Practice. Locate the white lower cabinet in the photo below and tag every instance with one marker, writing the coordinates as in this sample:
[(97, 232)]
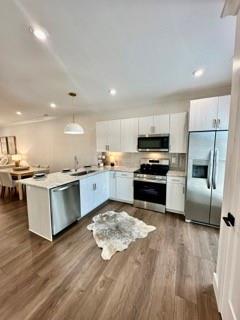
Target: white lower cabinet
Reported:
[(112, 185), (124, 188), (121, 186), (175, 194), (94, 190)]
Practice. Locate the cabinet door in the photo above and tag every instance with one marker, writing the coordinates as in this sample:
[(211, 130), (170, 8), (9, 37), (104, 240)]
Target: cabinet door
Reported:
[(223, 112), (146, 125), (124, 188), (112, 185), (203, 114), (101, 188), (114, 135), (129, 135), (161, 124), (175, 197), (178, 133), (86, 196), (102, 136)]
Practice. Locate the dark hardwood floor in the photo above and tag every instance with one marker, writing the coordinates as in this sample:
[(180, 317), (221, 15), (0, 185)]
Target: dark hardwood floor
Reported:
[(167, 275)]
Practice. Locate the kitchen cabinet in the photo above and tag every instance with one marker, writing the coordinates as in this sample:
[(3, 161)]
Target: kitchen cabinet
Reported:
[(114, 135), (209, 114), (108, 135), (178, 133), (162, 124), (112, 185), (121, 186), (146, 126), (158, 124), (101, 193), (175, 194), (223, 112), (94, 190), (129, 135), (124, 186), (102, 136)]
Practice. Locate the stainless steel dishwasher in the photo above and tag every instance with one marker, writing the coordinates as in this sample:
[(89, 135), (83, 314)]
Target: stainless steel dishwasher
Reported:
[(65, 206)]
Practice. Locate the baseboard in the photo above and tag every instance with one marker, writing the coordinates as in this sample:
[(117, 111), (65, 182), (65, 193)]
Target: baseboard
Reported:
[(40, 235), (216, 289), (175, 211)]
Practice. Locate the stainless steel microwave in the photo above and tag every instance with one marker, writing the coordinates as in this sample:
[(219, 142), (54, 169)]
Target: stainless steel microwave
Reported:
[(153, 143)]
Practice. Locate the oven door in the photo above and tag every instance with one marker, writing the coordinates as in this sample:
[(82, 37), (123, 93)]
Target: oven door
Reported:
[(154, 143), (150, 195)]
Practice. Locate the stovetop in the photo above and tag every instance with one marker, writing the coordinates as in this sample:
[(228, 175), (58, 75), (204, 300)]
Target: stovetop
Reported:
[(154, 167)]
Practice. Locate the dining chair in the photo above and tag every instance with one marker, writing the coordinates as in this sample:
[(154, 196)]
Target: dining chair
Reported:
[(7, 182)]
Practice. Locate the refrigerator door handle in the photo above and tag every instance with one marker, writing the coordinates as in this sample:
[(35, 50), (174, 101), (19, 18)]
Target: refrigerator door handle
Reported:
[(210, 170), (215, 169)]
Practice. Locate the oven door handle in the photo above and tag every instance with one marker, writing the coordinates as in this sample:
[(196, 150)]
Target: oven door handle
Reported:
[(148, 180)]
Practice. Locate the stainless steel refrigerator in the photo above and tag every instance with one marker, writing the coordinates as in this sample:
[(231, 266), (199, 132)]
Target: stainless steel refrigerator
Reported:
[(205, 176)]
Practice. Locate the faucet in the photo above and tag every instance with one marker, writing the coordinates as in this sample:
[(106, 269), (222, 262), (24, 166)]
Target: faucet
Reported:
[(76, 163)]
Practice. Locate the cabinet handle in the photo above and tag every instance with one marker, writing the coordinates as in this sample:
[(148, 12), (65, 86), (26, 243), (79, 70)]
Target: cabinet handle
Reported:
[(183, 190), (218, 123), (214, 123)]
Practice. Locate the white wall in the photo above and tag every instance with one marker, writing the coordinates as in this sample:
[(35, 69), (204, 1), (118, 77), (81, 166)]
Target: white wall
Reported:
[(45, 143)]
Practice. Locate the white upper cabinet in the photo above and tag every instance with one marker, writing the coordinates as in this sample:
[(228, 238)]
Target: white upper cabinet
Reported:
[(203, 114), (146, 125), (223, 112), (102, 136), (129, 135), (108, 135), (178, 132), (209, 114), (162, 124), (114, 135), (154, 125)]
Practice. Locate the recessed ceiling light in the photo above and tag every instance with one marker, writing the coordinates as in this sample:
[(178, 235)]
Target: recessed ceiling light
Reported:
[(112, 92), (19, 113), (52, 105), (39, 33), (198, 73)]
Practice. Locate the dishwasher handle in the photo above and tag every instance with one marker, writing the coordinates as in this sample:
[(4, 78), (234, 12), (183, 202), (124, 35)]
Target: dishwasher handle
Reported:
[(65, 187)]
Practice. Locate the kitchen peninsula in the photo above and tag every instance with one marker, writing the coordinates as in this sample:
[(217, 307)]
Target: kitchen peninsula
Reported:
[(78, 193), (59, 199)]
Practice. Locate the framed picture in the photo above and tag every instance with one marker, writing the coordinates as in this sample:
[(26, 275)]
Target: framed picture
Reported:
[(11, 144), (4, 146)]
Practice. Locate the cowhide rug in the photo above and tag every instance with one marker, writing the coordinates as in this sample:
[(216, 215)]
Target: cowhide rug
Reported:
[(114, 231)]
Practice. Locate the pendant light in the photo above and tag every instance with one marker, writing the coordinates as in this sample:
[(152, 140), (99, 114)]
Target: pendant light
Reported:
[(73, 127)]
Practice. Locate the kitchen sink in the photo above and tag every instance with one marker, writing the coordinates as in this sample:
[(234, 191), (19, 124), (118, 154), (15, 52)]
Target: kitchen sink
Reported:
[(82, 173)]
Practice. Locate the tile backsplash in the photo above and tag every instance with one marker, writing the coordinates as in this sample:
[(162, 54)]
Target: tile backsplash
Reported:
[(177, 160)]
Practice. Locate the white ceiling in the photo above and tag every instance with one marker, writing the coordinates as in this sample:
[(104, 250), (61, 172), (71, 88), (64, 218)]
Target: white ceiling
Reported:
[(146, 49)]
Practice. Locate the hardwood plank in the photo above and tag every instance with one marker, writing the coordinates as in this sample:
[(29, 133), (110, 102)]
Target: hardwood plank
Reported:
[(166, 276)]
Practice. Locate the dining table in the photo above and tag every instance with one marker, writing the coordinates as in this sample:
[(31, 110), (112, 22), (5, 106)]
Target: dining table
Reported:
[(18, 174)]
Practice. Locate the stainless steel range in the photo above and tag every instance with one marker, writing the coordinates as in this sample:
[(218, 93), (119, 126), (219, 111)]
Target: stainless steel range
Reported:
[(150, 183)]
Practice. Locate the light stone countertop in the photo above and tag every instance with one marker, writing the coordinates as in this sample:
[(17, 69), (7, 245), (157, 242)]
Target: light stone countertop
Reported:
[(176, 173), (57, 179)]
